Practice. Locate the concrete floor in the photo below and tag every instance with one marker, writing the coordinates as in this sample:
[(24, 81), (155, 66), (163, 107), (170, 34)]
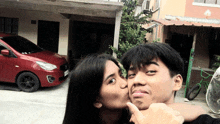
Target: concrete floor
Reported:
[(199, 100), (45, 106)]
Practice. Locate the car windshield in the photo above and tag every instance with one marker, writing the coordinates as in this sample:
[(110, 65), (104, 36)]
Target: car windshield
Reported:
[(22, 45)]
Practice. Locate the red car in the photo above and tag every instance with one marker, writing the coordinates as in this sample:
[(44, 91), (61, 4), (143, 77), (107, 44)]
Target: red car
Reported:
[(28, 65)]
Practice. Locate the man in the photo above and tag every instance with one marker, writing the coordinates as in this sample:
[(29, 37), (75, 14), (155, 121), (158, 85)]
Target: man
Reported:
[(154, 75)]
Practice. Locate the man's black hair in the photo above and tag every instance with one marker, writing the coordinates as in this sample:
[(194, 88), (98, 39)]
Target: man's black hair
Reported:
[(143, 54)]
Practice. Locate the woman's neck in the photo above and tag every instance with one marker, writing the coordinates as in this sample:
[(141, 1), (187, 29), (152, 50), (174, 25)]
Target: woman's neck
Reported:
[(110, 116)]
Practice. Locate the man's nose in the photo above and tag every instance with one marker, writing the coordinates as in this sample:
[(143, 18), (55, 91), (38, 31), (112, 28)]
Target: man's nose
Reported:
[(139, 79)]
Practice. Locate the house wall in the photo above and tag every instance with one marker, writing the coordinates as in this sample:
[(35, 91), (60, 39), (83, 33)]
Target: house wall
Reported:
[(168, 7), (197, 10), (30, 31), (172, 7)]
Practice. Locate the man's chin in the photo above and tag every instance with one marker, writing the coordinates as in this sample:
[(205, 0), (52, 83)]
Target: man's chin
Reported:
[(141, 105)]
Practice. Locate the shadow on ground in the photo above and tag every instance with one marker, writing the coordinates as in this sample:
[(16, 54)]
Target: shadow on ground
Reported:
[(9, 86), (14, 87)]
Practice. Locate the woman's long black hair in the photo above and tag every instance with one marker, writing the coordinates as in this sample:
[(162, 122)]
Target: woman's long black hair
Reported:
[(84, 86)]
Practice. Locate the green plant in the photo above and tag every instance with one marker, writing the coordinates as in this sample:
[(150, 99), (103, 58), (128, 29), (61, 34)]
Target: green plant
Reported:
[(131, 31), (216, 64)]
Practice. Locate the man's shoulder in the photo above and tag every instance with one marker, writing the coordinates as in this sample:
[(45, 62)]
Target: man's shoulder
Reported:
[(205, 119)]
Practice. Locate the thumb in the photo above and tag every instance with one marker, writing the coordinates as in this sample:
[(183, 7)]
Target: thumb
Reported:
[(135, 111)]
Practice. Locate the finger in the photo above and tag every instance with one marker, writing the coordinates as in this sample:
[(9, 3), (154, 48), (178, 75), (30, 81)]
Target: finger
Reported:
[(181, 119), (135, 111), (177, 113), (133, 119)]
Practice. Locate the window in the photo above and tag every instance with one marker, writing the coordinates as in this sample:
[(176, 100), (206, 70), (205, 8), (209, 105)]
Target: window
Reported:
[(9, 25), (208, 1), (148, 4), (157, 4), (1, 48)]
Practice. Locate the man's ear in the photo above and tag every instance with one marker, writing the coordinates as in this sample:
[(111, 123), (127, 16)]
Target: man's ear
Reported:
[(178, 80)]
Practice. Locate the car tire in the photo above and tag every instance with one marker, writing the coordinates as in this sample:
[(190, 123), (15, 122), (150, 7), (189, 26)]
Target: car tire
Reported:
[(28, 82)]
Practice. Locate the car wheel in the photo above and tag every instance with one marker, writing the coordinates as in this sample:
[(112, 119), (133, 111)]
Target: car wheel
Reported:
[(28, 82)]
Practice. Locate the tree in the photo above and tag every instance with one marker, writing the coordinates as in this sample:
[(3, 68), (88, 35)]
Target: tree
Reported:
[(131, 32)]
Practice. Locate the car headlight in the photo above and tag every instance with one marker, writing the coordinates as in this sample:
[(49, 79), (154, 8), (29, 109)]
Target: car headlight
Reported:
[(46, 66)]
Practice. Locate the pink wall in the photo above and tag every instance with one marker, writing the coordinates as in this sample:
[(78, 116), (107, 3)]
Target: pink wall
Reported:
[(198, 11)]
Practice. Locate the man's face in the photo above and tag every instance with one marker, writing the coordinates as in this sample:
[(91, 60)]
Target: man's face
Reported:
[(152, 83)]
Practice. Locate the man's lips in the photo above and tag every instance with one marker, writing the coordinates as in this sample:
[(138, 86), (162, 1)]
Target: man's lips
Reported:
[(139, 93)]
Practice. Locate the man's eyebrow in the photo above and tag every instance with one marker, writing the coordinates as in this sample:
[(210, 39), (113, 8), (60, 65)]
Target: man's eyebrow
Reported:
[(111, 75), (152, 62), (131, 68), (147, 63)]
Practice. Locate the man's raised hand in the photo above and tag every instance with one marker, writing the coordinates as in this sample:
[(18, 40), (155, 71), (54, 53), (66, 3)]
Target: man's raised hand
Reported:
[(157, 113)]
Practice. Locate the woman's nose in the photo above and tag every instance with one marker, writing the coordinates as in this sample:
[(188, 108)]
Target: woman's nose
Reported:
[(123, 83)]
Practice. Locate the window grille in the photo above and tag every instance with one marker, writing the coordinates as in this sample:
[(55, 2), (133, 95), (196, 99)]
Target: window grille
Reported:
[(9, 25), (208, 1)]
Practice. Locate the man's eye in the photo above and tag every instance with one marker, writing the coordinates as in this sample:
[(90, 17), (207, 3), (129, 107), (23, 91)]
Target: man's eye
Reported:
[(131, 75), (112, 81), (151, 72)]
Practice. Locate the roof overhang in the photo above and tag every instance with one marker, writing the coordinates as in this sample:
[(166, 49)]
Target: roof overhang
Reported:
[(188, 21), (78, 7)]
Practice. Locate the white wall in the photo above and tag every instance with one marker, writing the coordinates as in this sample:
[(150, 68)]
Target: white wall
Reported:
[(29, 31)]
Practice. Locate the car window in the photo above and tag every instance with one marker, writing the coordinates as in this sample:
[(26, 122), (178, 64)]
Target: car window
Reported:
[(22, 45), (1, 48)]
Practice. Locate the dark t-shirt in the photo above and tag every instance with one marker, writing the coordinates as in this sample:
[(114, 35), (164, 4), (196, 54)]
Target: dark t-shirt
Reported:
[(202, 119), (205, 119)]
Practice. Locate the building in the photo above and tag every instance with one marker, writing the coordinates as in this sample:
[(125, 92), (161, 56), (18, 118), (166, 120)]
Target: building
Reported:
[(184, 22), (72, 28)]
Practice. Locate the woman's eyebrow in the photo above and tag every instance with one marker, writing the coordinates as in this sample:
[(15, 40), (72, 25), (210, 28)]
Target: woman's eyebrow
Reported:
[(111, 75)]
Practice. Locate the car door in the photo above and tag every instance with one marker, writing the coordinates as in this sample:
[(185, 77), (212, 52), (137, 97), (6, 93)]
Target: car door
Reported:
[(7, 66)]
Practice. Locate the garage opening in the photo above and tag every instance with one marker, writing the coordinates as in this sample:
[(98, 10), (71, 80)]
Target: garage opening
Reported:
[(87, 38)]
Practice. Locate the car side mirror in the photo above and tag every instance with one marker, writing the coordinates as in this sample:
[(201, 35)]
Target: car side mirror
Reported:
[(5, 52)]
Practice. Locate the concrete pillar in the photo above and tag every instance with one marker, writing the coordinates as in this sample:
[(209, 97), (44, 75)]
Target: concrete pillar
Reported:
[(63, 37), (117, 29)]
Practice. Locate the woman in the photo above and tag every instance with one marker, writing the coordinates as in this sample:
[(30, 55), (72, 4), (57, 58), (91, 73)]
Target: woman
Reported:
[(97, 92)]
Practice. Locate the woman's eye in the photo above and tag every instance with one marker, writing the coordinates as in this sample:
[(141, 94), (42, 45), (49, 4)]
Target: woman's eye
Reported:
[(112, 81)]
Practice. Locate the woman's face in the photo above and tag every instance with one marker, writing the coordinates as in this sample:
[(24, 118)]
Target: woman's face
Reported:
[(114, 90)]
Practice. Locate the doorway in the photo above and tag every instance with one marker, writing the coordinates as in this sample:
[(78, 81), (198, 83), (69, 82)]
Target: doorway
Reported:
[(182, 44), (48, 35)]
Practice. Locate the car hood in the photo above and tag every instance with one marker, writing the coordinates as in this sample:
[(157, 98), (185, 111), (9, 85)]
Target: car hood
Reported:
[(48, 56)]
